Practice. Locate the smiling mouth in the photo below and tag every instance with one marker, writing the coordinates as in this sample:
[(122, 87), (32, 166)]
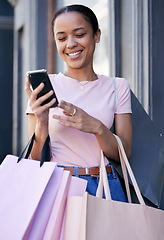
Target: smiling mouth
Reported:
[(74, 54)]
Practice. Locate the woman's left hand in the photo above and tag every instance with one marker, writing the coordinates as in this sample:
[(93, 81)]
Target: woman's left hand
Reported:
[(77, 118)]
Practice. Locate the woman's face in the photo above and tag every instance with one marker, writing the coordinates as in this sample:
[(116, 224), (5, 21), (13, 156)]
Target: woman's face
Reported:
[(75, 40)]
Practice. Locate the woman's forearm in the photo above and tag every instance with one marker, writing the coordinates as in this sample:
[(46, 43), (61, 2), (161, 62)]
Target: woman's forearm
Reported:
[(41, 133), (108, 143)]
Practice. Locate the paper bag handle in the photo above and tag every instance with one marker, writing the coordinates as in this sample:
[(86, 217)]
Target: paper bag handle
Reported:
[(124, 160), (45, 154), (103, 181)]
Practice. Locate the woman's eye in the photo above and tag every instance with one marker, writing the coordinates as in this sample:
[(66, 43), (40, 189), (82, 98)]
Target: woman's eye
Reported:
[(80, 35), (62, 39)]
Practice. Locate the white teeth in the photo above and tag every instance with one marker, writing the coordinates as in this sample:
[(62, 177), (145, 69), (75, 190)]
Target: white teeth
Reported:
[(74, 54)]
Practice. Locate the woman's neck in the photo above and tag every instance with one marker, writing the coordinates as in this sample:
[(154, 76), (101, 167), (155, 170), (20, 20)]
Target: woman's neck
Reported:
[(81, 75)]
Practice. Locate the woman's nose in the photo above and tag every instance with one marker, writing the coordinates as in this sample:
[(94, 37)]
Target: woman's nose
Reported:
[(71, 42)]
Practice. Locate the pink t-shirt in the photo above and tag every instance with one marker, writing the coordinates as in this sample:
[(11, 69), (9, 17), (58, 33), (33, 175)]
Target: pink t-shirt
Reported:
[(71, 147)]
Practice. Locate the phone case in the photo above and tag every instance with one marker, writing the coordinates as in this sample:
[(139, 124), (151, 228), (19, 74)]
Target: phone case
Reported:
[(36, 78)]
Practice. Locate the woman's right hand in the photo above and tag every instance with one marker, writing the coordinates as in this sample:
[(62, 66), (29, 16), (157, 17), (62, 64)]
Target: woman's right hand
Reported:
[(40, 112)]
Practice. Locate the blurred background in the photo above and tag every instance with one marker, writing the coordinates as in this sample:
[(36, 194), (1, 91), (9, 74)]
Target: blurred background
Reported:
[(132, 46)]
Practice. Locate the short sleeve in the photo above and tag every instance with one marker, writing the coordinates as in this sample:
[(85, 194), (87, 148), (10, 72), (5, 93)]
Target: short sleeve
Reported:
[(124, 96), (28, 109)]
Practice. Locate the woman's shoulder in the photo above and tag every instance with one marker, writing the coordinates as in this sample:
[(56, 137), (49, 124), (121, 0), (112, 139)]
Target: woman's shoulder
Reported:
[(122, 83), (104, 77), (119, 81), (54, 76)]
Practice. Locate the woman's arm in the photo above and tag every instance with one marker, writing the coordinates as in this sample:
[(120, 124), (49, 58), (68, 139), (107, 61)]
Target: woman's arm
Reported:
[(39, 120), (41, 133), (106, 140)]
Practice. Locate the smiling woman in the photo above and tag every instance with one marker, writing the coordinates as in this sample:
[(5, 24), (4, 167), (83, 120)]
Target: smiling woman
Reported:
[(79, 126), (75, 40), (101, 61)]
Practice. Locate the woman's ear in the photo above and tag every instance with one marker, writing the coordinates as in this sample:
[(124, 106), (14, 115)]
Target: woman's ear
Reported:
[(97, 35)]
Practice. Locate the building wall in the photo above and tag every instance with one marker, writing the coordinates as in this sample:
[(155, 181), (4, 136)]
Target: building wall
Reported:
[(30, 36), (6, 77), (132, 46), (157, 54)]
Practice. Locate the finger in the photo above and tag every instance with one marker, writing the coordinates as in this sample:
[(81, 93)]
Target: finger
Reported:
[(40, 109), (66, 113), (68, 108), (65, 104), (64, 118), (43, 98), (68, 124), (36, 91)]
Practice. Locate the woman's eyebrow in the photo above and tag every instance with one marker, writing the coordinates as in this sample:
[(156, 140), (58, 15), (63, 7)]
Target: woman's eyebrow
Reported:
[(74, 30), (79, 28), (60, 33)]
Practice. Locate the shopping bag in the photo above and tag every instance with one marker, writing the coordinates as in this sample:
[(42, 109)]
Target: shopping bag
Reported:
[(21, 187), (43, 212), (77, 188), (34, 196), (24, 187), (147, 158), (69, 185), (107, 219)]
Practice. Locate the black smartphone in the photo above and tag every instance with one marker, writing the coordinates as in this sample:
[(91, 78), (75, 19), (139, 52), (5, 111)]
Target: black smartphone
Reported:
[(41, 76)]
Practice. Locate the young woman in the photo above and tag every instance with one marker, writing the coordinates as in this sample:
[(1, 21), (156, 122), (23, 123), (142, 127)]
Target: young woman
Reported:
[(79, 126)]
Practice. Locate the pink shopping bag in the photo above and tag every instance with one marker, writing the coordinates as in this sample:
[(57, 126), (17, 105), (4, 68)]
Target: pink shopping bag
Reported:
[(69, 185), (21, 187), (36, 231), (34, 195), (77, 188)]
